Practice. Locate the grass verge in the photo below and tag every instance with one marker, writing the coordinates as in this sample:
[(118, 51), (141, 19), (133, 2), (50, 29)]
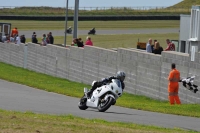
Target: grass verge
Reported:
[(60, 25), (66, 87), (29, 122)]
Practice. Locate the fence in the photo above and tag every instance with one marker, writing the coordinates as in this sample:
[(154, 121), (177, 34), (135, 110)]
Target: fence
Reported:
[(146, 73), (60, 11)]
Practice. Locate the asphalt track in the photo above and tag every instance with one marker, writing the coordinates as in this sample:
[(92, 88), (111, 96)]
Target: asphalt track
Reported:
[(22, 98), (39, 33)]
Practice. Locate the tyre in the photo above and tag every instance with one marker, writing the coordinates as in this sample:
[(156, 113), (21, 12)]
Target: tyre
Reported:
[(103, 106), (82, 104)]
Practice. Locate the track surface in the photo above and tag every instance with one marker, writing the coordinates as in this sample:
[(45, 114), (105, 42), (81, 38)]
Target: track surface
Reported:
[(39, 33), (22, 98)]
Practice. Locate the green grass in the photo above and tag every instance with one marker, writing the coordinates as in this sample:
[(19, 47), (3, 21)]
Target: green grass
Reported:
[(60, 25), (50, 11), (66, 87), (28, 122), (186, 4), (115, 41)]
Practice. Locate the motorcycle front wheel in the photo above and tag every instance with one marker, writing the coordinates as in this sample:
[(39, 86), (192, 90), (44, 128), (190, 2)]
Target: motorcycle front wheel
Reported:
[(82, 104), (103, 106)]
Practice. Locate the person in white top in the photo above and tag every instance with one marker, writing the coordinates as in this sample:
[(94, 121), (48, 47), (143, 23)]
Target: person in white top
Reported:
[(148, 46), (18, 41)]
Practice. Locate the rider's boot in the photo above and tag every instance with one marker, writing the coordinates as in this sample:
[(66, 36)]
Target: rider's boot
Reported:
[(88, 95)]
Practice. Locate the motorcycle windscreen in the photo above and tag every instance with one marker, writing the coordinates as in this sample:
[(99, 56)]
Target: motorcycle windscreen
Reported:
[(118, 83)]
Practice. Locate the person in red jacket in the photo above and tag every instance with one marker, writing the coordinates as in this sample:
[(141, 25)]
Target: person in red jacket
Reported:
[(89, 41), (170, 46), (173, 86)]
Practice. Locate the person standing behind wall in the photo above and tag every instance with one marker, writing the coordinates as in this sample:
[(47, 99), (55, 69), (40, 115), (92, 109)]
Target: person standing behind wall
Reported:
[(51, 38), (88, 41), (173, 85), (18, 39), (34, 39), (157, 48), (44, 43), (148, 46), (170, 46), (14, 32)]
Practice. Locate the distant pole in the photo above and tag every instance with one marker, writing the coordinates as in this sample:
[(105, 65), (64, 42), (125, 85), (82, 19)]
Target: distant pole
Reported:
[(66, 19), (76, 8)]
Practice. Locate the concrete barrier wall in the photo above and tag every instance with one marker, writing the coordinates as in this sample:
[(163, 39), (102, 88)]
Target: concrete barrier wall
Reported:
[(142, 70), (12, 54), (75, 70), (146, 73)]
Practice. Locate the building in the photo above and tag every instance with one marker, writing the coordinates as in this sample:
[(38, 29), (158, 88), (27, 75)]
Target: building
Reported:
[(189, 39)]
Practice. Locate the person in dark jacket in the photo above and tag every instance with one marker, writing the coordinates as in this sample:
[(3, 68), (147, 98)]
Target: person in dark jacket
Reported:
[(51, 38), (79, 42), (33, 36), (157, 48), (23, 39), (34, 39)]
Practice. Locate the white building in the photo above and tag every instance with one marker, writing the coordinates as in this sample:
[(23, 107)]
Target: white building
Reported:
[(189, 37)]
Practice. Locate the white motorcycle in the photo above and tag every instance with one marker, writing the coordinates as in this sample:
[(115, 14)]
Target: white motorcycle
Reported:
[(103, 97)]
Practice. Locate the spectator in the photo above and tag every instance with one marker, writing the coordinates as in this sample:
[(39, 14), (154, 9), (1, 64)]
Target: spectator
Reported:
[(51, 38), (4, 38), (12, 39), (88, 41), (74, 42), (33, 35), (15, 36), (34, 39), (8, 38), (157, 48), (44, 43), (14, 32), (148, 46), (80, 42), (17, 41), (170, 46), (47, 39), (173, 85), (152, 46), (23, 39)]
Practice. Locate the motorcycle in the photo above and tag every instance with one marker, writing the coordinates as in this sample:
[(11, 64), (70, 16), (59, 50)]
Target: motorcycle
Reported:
[(103, 97), (69, 30), (93, 31)]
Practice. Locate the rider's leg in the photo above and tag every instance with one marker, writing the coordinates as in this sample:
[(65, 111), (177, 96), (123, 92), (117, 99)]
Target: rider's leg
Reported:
[(96, 84)]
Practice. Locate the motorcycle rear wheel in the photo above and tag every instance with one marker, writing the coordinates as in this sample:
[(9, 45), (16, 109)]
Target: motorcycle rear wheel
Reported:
[(103, 106), (82, 104)]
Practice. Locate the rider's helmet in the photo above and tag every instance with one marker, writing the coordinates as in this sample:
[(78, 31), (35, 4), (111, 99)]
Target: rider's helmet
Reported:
[(121, 75)]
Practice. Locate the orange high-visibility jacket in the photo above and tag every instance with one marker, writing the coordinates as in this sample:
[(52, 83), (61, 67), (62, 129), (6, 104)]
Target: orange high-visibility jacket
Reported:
[(174, 77), (14, 32)]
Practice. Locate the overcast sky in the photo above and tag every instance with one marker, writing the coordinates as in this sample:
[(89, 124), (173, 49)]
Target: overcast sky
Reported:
[(89, 3)]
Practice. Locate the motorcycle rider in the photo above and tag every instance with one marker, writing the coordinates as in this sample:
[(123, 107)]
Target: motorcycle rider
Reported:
[(120, 76), (69, 30), (93, 30)]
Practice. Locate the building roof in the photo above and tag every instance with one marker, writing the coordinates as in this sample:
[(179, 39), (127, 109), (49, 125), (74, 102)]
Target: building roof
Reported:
[(1, 23)]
